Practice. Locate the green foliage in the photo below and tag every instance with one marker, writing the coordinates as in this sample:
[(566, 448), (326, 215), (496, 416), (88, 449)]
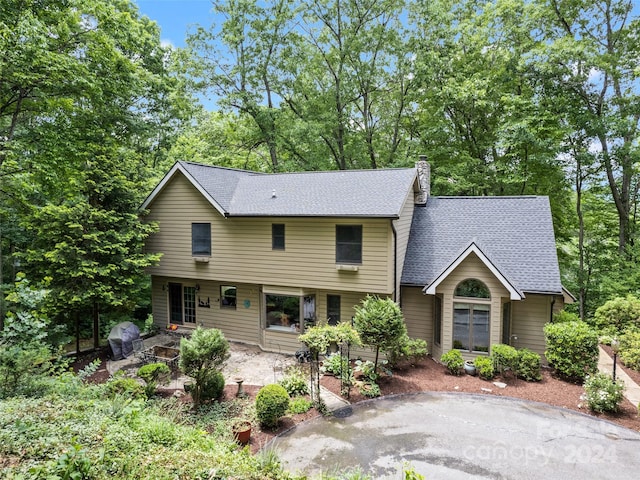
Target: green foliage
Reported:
[(484, 367), (453, 361), (528, 365), (26, 323), (212, 387), (563, 316), (125, 387), (368, 370), (369, 389), (572, 348), (602, 393), (123, 438), (299, 405), (406, 349), (295, 382), (272, 402), (338, 366), (200, 357), (152, 374), (505, 357), (380, 324), (21, 368), (73, 464), (630, 350), (319, 337), (618, 315)]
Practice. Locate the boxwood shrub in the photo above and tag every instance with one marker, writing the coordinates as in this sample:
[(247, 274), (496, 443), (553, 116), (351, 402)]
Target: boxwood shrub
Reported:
[(272, 402), (572, 349), (505, 357), (630, 350)]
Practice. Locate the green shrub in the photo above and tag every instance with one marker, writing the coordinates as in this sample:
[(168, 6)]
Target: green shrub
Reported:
[(299, 405), (484, 367), (528, 365), (572, 348), (406, 349), (602, 393), (505, 357), (617, 315), (152, 374), (630, 350), (212, 387), (124, 386), (453, 361), (563, 317), (200, 356), (272, 402), (295, 382)]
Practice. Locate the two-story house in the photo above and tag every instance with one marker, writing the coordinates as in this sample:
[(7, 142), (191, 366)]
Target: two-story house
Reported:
[(263, 256)]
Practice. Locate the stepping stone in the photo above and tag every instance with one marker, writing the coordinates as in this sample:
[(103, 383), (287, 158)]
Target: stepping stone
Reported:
[(500, 384)]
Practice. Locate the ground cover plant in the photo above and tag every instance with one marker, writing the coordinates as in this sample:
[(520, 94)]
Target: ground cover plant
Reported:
[(78, 430)]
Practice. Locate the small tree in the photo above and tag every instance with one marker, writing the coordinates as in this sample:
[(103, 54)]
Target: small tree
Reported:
[(380, 324), (202, 356), (572, 348)]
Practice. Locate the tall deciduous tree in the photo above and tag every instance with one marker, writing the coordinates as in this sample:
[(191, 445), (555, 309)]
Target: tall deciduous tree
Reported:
[(87, 104), (592, 49)]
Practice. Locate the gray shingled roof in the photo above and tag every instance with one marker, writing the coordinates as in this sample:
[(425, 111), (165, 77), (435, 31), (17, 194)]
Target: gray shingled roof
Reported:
[(515, 233), (350, 193)]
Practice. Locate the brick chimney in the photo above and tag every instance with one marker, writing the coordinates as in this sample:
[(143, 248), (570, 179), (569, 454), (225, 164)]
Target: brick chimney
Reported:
[(424, 178)]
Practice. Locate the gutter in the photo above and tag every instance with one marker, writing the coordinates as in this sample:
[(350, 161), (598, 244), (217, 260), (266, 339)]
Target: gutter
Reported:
[(395, 261)]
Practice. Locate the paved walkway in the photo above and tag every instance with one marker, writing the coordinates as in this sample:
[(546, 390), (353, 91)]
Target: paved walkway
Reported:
[(632, 390)]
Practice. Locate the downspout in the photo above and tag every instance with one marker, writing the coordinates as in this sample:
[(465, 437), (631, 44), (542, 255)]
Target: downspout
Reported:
[(395, 262), (553, 302)]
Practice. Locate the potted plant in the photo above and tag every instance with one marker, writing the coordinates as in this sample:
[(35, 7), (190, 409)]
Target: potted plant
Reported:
[(242, 431), (469, 367)]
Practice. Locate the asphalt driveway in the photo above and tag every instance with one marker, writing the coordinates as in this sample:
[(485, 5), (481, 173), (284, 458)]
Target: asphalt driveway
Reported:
[(462, 436)]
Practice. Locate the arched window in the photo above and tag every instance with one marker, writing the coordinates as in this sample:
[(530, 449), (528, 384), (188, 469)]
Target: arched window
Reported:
[(471, 317), (472, 288)]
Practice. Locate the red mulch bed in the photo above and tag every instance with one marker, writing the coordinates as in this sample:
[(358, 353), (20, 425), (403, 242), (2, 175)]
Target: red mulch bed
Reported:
[(429, 375)]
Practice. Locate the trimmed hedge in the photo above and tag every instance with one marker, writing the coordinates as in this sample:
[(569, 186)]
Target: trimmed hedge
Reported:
[(272, 402), (484, 367), (572, 349), (505, 357)]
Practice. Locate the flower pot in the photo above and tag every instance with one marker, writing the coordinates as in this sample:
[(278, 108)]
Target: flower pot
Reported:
[(469, 367), (242, 432)]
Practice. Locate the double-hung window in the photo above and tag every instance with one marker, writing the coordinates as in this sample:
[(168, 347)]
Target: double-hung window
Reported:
[(201, 239), (277, 236), (349, 244)]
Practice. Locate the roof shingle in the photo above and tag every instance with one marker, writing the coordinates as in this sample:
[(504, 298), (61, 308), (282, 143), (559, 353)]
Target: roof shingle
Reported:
[(515, 233)]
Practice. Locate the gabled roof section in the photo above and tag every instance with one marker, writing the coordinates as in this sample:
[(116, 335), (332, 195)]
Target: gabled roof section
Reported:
[(217, 188), (473, 248), (513, 234), (348, 193)]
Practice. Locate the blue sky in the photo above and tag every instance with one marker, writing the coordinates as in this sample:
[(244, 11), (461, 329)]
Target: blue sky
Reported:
[(176, 16)]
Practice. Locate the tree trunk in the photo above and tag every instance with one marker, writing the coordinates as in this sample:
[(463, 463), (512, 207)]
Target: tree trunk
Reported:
[(96, 325)]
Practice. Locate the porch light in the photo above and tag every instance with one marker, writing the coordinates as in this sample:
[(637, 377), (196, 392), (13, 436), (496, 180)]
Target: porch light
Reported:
[(615, 348)]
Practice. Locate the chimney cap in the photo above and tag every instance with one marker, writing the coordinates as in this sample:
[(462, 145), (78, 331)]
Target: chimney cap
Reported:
[(422, 158)]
